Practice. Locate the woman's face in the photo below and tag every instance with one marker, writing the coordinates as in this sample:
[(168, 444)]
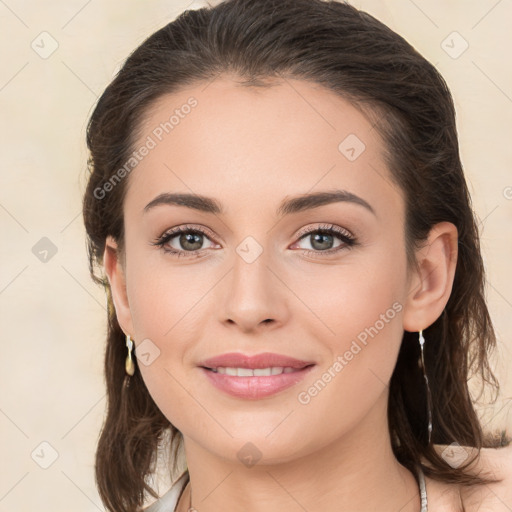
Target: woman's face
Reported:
[(254, 282)]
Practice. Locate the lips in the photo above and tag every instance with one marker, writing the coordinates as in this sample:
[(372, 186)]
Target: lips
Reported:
[(258, 361), (254, 377)]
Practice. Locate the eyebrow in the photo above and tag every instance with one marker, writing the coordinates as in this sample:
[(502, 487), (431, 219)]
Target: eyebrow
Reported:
[(287, 207)]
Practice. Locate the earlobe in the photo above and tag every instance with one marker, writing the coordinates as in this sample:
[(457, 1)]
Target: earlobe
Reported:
[(432, 283), (116, 276)]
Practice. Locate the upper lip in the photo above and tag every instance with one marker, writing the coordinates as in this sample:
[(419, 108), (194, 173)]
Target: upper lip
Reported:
[(263, 360)]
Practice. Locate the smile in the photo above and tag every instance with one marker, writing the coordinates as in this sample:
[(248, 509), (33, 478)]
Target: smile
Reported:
[(254, 384), (256, 372)]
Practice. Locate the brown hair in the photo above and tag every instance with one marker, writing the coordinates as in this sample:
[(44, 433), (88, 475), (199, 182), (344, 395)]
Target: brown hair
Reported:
[(353, 54)]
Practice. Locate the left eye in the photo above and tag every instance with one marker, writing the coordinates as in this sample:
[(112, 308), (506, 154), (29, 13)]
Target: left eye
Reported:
[(323, 236)]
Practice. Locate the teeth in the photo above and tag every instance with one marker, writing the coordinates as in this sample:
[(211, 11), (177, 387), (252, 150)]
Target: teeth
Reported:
[(257, 372)]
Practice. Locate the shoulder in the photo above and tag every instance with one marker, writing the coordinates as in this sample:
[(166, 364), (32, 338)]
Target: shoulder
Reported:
[(494, 497)]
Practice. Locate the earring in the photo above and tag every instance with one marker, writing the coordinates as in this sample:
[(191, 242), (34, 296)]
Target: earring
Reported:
[(429, 396), (129, 364)]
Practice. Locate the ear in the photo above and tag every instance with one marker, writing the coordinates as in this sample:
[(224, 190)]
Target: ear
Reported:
[(430, 285), (116, 276)]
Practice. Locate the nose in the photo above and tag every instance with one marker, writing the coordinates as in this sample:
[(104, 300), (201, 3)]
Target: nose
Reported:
[(254, 296)]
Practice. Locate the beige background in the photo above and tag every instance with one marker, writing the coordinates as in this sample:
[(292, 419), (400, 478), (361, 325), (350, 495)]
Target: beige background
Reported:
[(53, 316)]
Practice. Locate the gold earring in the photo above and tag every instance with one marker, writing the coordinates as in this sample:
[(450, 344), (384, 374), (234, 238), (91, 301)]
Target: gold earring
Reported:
[(129, 364)]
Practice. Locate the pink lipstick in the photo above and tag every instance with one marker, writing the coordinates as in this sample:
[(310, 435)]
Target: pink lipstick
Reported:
[(254, 377)]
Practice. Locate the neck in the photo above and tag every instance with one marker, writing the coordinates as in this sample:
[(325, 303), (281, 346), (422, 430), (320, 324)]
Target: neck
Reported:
[(357, 472)]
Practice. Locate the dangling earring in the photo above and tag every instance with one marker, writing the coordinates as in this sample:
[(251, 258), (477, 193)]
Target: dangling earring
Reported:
[(429, 396), (129, 364)]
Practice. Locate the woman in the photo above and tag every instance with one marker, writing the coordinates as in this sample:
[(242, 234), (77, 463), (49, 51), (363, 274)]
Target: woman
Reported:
[(278, 213)]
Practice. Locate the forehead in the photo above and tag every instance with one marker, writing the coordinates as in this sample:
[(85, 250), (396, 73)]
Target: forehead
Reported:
[(254, 145)]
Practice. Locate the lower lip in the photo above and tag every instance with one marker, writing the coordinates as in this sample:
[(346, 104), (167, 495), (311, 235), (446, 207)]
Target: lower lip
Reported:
[(254, 388)]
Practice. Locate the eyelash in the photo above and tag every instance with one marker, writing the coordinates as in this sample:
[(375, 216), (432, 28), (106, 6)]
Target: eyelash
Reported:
[(325, 229)]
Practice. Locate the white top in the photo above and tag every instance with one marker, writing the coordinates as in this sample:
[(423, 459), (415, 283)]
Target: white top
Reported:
[(168, 502)]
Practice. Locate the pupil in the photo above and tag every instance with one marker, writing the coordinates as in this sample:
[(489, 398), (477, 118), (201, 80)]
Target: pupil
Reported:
[(189, 238), (317, 239)]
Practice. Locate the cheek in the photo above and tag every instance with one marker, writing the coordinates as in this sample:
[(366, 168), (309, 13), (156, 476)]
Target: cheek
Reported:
[(169, 319), (355, 312), (345, 301), (164, 297)]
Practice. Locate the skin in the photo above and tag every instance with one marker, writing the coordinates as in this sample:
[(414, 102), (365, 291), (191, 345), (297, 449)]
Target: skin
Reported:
[(249, 149), (496, 497)]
